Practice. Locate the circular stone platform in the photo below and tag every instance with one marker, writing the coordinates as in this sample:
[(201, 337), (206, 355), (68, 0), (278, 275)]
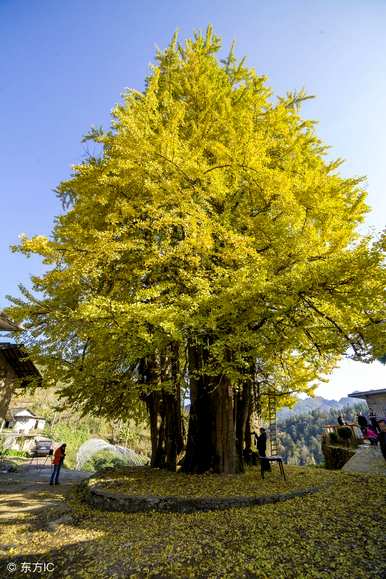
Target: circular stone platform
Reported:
[(110, 501)]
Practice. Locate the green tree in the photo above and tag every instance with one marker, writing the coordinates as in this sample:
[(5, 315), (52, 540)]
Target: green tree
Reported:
[(305, 431), (211, 248)]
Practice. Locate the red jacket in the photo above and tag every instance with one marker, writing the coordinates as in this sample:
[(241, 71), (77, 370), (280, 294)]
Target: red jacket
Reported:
[(58, 456), (370, 433)]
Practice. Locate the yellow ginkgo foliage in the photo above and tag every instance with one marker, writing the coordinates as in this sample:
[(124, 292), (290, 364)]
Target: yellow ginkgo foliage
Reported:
[(210, 249)]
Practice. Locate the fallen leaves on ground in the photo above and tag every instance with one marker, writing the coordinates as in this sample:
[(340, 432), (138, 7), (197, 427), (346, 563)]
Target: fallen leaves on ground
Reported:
[(337, 532), (154, 482)]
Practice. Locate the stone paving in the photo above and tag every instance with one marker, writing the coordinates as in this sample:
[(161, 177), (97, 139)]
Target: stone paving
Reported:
[(366, 459)]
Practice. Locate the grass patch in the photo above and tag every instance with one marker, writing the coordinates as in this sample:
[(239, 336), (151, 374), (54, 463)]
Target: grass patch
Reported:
[(11, 452)]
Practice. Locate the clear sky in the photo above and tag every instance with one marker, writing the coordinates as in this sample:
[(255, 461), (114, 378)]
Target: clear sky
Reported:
[(63, 65)]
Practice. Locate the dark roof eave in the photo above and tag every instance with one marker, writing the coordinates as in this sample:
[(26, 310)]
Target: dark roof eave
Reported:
[(367, 393), (7, 325), (23, 366)]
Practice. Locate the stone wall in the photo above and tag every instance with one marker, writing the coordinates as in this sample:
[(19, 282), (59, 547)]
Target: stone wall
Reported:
[(105, 500)]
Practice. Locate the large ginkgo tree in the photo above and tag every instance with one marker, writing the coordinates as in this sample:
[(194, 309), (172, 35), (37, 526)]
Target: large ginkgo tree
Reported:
[(210, 251)]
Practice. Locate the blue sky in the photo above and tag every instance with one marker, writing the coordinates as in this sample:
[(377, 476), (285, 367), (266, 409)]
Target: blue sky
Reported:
[(63, 65)]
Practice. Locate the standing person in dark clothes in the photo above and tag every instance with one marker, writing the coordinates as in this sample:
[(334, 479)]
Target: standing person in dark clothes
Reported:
[(341, 422), (362, 421), (57, 461), (374, 423), (261, 445), (382, 437)]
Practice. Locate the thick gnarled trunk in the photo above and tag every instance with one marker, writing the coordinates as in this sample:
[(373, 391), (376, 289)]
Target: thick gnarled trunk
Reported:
[(211, 444), (218, 419), (164, 409), (198, 448), (165, 429), (243, 417), (226, 459)]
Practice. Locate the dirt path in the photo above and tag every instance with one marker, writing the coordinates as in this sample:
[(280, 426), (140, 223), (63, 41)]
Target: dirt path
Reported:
[(28, 491)]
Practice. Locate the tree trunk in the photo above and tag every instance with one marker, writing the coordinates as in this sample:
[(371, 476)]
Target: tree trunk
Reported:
[(153, 403), (172, 418), (226, 458), (243, 408), (211, 444), (247, 432), (198, 448), (173, 415), (164, 408)]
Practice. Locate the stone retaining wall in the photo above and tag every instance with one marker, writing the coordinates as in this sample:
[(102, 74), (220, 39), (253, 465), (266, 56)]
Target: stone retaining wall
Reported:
[(108, 501)]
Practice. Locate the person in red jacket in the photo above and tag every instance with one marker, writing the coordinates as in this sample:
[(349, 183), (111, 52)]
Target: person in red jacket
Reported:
[(371, 436), (57, 461)]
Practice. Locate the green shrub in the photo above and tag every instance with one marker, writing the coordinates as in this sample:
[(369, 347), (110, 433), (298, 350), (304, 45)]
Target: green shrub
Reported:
[(333, 438), (104, 459), (345, 433), (336, 456), (11, 452)]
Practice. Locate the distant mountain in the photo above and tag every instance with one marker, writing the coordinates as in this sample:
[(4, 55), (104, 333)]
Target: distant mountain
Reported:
[(318, 403)]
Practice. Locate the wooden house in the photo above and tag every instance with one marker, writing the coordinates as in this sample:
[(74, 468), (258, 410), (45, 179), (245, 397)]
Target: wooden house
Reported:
[(376, 401)]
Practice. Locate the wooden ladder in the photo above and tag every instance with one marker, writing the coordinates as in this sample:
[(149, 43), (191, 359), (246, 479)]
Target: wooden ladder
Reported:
[(272, 423)]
